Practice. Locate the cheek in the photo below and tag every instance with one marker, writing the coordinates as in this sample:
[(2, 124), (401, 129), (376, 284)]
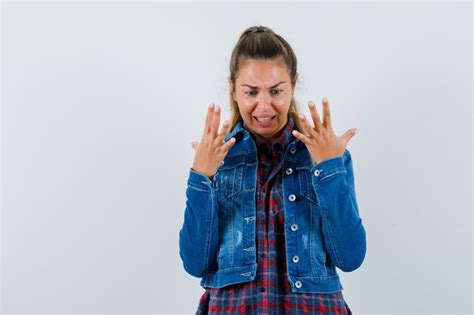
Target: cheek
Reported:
[(245, 107), (283, 106)]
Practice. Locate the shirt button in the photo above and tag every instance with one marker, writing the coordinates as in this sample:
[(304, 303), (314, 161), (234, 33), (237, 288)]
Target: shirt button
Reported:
[(293, 150), (317, 172), (262, 289), (294, 227), (296, 259), (292, 197), (289, 171), (298, 284)]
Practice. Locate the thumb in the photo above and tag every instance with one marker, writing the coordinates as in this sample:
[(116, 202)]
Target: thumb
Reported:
[(195, 145), (349, 134)]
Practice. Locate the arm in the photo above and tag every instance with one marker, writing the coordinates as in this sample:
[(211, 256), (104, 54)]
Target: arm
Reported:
[(198, 237), (344, 234)]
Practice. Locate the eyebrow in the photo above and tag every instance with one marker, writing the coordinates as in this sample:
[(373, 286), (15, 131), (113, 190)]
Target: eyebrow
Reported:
[(256, 87)]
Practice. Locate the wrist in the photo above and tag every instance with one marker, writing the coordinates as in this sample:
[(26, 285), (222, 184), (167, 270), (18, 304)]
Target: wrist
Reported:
[(203, 173)]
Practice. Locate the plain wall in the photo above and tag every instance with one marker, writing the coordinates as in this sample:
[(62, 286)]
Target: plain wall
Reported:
[(101, 100)]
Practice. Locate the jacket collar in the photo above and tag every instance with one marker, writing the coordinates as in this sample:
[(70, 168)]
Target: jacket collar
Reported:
[(239, 129), (245, 144), (236, 131)]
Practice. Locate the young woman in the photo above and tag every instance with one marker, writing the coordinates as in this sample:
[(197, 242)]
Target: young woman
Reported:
[(271, 207)]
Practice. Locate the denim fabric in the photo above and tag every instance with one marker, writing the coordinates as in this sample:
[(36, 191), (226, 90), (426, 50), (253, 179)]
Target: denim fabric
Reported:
[(217, 241)]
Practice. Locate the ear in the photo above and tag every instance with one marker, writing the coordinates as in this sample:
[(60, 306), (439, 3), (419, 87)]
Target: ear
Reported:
[(296, 80), (231, 86)]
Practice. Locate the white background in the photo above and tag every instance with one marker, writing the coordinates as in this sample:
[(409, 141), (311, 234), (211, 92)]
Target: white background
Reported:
[(101, 100)]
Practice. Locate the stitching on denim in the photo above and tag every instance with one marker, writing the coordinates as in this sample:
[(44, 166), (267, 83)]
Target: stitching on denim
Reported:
[(196, 187), (235, 267), (310, 235), (305, 181), (329, 228), (231, 188), (209, 233), (331, 239), (232, 231), (317, 278), (333, 173)]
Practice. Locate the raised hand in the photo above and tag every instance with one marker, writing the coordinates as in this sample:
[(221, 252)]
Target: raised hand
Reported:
[(321, 141), (212, 149)]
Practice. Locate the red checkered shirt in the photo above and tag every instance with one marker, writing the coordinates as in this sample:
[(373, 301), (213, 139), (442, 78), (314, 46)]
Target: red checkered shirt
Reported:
[(270, 292)]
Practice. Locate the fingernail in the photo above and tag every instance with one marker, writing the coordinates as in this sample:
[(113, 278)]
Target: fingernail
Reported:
[(301, 116), (311, 104), (211, 105), (226, 123), (355, 131), (216, 108), (325, 100)]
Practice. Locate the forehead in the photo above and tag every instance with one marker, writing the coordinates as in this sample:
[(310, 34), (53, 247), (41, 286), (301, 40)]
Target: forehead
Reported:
[(262, 73)]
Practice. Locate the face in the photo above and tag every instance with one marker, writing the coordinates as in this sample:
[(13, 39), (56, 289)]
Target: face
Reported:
[(263, 92)]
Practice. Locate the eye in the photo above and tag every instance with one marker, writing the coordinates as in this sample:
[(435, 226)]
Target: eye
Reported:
[(250, 93)]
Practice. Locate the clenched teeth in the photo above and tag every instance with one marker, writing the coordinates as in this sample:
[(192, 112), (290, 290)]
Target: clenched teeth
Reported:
[(263, 119)]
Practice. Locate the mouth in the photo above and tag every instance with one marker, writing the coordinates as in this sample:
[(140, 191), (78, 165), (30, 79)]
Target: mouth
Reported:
[(264, 119), (264, 122)]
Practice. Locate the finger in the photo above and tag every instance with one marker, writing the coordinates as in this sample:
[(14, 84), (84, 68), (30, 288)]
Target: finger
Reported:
[(215, 121), (210, 113), (347, 136), (308, 130), (326, 114), (229, 144), (315, 116), (195, 145), (300, 136), (224, 131)]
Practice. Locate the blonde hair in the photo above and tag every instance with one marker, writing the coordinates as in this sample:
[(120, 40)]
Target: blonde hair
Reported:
[(260, 42)]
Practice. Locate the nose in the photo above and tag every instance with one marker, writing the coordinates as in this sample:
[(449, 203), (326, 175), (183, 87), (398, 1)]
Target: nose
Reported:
[(263, 101)]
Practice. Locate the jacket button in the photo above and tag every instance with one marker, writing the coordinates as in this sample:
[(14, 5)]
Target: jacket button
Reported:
[(298, 284), (292, 197), (289, 171), (317, 172), (293, 150), (296, 259), (294, 227)]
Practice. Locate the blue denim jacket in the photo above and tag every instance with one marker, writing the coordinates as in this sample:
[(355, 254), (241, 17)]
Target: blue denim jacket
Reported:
[(217, 241)]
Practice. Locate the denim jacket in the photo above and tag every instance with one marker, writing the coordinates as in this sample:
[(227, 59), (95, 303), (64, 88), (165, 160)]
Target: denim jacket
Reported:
[(217, 241)]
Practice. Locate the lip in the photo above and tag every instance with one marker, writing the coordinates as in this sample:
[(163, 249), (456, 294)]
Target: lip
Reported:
[(264, 116), (266, 124)]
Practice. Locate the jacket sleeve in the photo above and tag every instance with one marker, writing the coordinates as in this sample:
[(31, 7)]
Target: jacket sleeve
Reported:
[(344, 233), (198, 236)]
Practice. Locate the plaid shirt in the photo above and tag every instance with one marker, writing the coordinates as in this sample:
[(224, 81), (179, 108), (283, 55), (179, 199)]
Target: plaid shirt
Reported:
[(270, 292)]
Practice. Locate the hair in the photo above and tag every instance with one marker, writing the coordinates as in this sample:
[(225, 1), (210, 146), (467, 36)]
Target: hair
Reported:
[(260, 42)]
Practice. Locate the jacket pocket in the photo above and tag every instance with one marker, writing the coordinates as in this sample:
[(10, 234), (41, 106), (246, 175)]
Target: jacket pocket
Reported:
[(230, 177), (306, 185)]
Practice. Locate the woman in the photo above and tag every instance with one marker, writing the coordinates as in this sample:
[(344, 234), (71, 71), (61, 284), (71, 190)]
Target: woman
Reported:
[(271, 208)]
